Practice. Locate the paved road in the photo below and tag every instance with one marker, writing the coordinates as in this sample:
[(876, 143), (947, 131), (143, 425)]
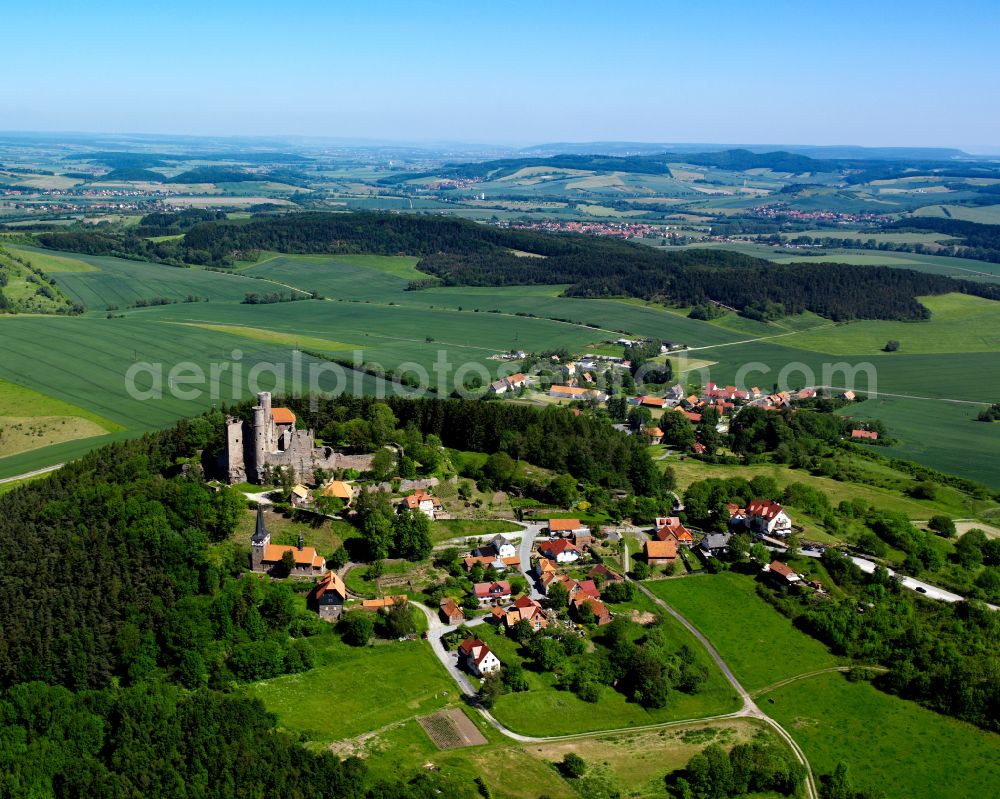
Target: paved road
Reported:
[(927, 589), (29, 475), (527, 541)]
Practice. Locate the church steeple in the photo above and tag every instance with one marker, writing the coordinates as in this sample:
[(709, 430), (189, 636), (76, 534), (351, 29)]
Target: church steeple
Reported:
[(260, 536)]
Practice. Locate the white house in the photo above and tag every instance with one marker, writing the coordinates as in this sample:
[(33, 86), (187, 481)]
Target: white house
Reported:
[(764, 516), (423, 502), (503, 547), (560, 550), (478, 657)]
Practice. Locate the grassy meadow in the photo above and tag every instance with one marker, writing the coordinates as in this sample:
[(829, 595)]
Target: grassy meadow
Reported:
[(760, 645), (887, 742)]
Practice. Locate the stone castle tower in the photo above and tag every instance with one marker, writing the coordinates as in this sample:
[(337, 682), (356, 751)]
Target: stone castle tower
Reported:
[(271, 440)]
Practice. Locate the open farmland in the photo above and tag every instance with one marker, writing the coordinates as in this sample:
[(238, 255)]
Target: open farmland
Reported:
[(120, 282)]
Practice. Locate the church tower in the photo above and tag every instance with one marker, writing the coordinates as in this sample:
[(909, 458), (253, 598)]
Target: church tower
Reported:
[(261, 538)]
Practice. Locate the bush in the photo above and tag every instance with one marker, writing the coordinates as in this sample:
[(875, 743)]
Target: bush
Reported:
[(573, 765), (357, 627), (942, 525)]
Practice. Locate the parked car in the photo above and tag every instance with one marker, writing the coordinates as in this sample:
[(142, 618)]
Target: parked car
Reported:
[(920, 589)]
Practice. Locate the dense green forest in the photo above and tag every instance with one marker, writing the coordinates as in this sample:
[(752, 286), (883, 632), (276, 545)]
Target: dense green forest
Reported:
[(978, 241)]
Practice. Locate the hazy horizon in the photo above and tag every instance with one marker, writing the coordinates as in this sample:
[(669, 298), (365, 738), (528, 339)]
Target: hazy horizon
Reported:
[(518, 74)]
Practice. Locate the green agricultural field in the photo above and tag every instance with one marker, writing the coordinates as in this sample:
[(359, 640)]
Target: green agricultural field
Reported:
[(355, 277), (984, 214), (759, 644), (888, 743), (958, 323), (509, 769), (49, 262), (944, 435), (353, 690), (86, 361), (543, 710), (274, 337), (115, 281)]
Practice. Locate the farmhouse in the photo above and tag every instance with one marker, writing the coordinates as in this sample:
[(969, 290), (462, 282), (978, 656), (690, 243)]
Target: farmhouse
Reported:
[(477, 657), (543, 567), (660, 553), (502, 547), (601, 613), (384, 602), (575, 393), (567, 527), (674, 531), (497, 591), (505, 384), (651, 402), (715, 544), (451, 613), (328, 596), (560, 550), (421, 501), (767, 517), (269, 558), (526, 609), (337, 489), (653, 434), (781, 573), (605, 574), (272, 441), (864, 435)]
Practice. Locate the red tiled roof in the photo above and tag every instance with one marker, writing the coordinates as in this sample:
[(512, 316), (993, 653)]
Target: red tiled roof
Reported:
[(497, 588), (783, 569), (868, 434), (557, 547), (282, 416), (451, 609), (563, 525), (303, 557), (764, 508), (330, 582), (661, 549)]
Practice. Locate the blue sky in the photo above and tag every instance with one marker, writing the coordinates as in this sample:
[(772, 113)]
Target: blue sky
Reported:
[(875, 73)]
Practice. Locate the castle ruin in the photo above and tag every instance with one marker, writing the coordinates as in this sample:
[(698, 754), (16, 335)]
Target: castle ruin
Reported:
[(272, 441)]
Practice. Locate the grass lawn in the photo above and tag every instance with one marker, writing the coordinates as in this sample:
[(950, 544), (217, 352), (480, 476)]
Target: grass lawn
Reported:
[(543, 710), (511, 771), (759, 644), (326, 535), (353, 690), (638, 761), (889, 743), (461, 528)]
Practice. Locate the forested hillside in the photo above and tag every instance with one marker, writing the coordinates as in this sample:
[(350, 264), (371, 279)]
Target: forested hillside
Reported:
[(129, 622), (462, 253)]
